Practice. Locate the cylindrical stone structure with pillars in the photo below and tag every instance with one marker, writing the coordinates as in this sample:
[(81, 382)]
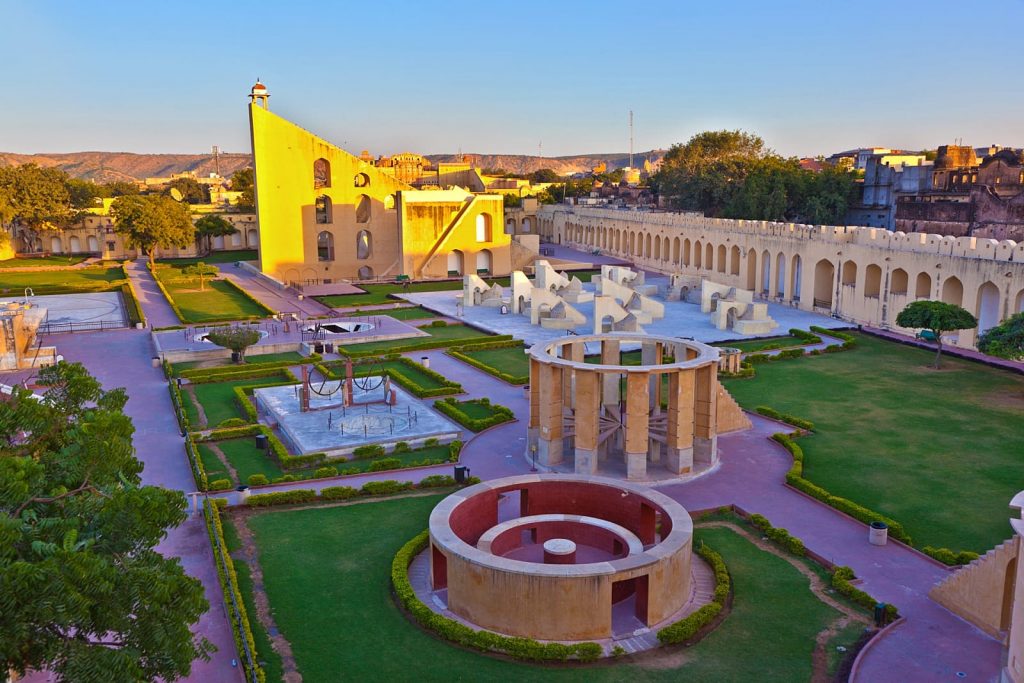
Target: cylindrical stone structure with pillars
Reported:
[(610, 415)]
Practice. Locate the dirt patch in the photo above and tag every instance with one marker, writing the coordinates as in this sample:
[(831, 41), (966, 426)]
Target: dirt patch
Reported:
[(215, 449), (190, 391), (250, 556), (1013, 399)]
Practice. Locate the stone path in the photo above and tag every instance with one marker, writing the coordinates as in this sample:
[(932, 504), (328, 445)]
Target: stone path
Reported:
[(272, 298), (158, 311)]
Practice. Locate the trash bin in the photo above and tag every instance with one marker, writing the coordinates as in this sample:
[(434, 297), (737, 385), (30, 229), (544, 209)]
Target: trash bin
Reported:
[(261, 442), (880, 614), (329, 347), (236, 357), (878, 533), (318, 348), (156, 361), (425, 361), (243, 494), (461, 474)]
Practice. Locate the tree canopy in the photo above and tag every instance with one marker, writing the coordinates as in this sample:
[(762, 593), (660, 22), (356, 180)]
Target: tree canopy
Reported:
[(242, 181), (937, 317), (211, 226), (236, 338), (35, 198), (192, 192), (202, 271), (83, 593), (544, 175), (1005, 340), (733, 174), (150, 221)]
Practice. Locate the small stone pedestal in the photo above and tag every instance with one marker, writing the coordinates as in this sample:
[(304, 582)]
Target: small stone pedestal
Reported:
[(559, 551)]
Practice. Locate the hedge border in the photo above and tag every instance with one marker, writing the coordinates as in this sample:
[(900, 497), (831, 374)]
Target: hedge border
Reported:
[(460, 353), (485, 641), (187, 321), (244, 373), (450, 407), (424, 345), (689, 626), (241, 629), (378, 487), (448, 386), (189, 373), (132, 307)]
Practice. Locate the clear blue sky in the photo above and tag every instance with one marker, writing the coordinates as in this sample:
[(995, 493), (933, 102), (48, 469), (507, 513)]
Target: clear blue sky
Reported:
[(809, 77)]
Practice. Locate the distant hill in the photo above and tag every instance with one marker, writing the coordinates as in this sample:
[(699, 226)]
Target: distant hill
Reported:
[(110, 166)]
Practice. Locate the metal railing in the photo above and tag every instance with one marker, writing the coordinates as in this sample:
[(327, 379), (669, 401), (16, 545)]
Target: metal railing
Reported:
[(83, 326)]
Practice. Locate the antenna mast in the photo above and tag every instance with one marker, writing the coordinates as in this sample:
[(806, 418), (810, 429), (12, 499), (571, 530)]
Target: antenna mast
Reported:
[(631, 138), (216, 159)]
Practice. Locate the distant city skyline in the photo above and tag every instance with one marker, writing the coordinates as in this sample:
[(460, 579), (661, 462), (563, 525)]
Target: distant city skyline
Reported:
[(810, 78)]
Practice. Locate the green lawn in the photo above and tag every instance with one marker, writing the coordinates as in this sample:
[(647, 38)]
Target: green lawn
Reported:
[(218, 398), (326, 573), (413, 372), (476, 410), (248, 460), (211, 463), (249, 360), (219, 300), (444, 336), (406, 313), (940, 451), (213, 257), (53, 260), (782, 342), (90, 279), (511, 360)]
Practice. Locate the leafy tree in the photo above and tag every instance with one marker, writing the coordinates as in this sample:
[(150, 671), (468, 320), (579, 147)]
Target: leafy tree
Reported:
[(191, 191), (150, 221), (544, 175), (242, 181), (211, 226), (236, 338), (512, 201), (1005, 340), (83, 193), (83, 592), (202, 271), (34, 199), (119, 188), (937, 317)]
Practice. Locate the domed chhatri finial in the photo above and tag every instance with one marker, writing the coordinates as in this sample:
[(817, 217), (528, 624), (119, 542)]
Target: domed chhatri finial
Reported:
[(259, 94)]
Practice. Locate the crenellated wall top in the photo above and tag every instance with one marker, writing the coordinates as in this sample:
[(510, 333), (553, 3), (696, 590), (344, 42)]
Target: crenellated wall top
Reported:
[(965, 247)]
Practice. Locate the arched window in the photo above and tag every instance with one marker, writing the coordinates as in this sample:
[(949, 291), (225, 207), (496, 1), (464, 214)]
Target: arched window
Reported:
[(362, 209), (321, 174), (389, 202), (899, 282), (873, 281), (483, 262), (364, 244), (366, 273), (361, 180), (324, 210), (325, 246), (483, 227)]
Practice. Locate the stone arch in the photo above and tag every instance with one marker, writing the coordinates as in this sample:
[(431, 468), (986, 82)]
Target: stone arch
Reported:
[(824, 277), (364, 245), (686, 251), (389, 203), (722, 256), (923, 286), (632, 243), (698, 254), (675, 250), (325, 246), (324, 210), (953, 291), (751, 269), (321, 173), (872, 281), (92, 244), (75, 244), (1018, 305), (987, 306), (899, 281), (251, 237), (796, 274), (484, 260), (362, 209), (483, 227), (849, 273), (218, 242), (1009, 589), (657, 248), (236, 239), (361, 180), (780, 274), (365, 273), (766, 271), (456, 259), (647, 250), (709, 256), (734, 260)]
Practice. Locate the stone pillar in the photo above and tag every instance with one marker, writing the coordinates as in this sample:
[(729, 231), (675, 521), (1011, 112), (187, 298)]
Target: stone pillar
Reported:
[(533, 427), (549, 440), (588, 406), (637, 410), (559, 551), (651, 354), (610, 388), (679, 441), (1013, 672), (705, 441)]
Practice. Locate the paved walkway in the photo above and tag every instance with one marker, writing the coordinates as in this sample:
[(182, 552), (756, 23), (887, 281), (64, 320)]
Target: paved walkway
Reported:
[(271, 297), (158, 311)]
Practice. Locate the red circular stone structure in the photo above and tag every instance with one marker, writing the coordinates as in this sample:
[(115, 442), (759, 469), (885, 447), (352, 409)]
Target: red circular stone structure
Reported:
[(489, 548)]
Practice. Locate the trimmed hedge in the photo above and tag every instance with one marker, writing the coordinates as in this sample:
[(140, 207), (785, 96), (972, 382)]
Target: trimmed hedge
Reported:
[(779, 536), (485, 641), (785, 417), (220, 370), (688, 627), (499, 413), (796, 479), (746, 371), (459, 353), (405, 381), (849, 341), (338, 493), (293, 497), (240, 627), (232, 373), (805, 336), (370, 488), (841, 577), (132, 307), (950, 557), (422, 345)]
